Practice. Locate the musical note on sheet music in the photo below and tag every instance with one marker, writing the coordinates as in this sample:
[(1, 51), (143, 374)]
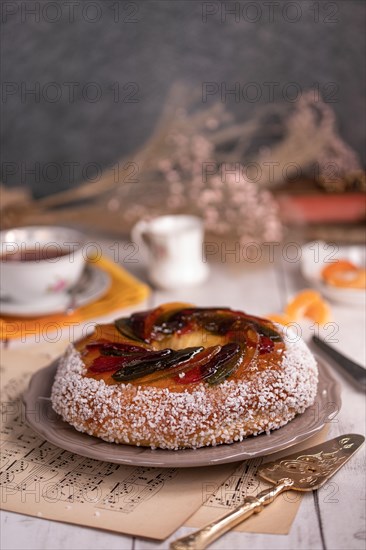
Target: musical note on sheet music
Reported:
[(240, 484), (141, 485), (34, 467)]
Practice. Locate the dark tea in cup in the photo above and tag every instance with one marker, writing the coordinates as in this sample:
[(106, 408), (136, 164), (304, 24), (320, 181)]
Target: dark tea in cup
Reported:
[(38, 254)]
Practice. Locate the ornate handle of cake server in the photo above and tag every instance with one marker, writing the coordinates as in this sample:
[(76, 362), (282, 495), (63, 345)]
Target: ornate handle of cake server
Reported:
[(199, 540)]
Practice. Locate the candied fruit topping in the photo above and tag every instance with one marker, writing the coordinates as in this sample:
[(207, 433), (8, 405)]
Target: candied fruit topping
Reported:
[(238, 341)]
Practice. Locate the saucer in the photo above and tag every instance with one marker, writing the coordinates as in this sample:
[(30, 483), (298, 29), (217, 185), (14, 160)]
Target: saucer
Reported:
[(96, 284)]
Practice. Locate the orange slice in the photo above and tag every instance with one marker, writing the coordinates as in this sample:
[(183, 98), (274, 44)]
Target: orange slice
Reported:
[(344, 274), (299, 305), (319, 312), (307, 303)]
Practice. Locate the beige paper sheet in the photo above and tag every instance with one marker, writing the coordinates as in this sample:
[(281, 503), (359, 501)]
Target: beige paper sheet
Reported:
[(275, 519)]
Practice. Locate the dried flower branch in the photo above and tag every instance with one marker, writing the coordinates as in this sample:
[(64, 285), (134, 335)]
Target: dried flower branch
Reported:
[(202, 161)]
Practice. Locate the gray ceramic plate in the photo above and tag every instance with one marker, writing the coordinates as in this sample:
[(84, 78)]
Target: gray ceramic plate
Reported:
[(49, 425)]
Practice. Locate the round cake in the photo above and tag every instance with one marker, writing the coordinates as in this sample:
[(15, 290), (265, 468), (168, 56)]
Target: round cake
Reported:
[(179, 376)]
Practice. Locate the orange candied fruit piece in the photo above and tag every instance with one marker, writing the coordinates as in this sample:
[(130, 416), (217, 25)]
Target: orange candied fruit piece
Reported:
[(298, 306), (307, 303), (319, 312), (344, 274)]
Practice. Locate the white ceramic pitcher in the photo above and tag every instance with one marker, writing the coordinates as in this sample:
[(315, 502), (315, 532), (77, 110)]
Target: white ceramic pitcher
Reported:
[(173, 248)]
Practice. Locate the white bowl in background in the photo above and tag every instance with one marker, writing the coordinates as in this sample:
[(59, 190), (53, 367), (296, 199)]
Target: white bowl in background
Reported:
[(318, 254)]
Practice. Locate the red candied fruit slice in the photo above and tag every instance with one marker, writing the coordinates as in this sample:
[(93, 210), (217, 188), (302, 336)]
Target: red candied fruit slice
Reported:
[(205, 370), (96, 344), (217, 321), (191, 376), (266, 345), (186, 329), (105, 363), (138, 322), (149, 324), (192, 367), (143, 322)]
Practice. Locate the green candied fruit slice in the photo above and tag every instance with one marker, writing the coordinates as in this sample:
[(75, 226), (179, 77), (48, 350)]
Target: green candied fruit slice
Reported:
[(159, 360), (123, 325), (136, 368), (224, 364), (264, 330)]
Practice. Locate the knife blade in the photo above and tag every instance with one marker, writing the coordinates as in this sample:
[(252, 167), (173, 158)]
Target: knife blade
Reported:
[(305, 470), (356, 372)]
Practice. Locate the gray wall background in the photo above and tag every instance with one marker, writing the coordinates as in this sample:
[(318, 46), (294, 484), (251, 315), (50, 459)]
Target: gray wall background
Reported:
[(153, 44)]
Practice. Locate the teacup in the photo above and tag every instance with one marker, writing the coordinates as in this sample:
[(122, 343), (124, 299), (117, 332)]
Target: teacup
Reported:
[(40, 261), (174, 245)]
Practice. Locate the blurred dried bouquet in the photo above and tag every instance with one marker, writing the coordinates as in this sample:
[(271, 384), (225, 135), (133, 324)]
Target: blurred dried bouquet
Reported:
[(200, 160)]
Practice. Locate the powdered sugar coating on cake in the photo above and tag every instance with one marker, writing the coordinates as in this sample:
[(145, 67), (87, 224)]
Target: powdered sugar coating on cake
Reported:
[(195, 417)]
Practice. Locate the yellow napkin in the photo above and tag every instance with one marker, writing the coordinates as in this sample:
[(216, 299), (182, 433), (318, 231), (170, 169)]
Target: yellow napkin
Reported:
[(124, 291)]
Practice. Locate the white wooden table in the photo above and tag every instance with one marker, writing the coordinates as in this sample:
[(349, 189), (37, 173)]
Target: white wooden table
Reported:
[(332, 518)]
